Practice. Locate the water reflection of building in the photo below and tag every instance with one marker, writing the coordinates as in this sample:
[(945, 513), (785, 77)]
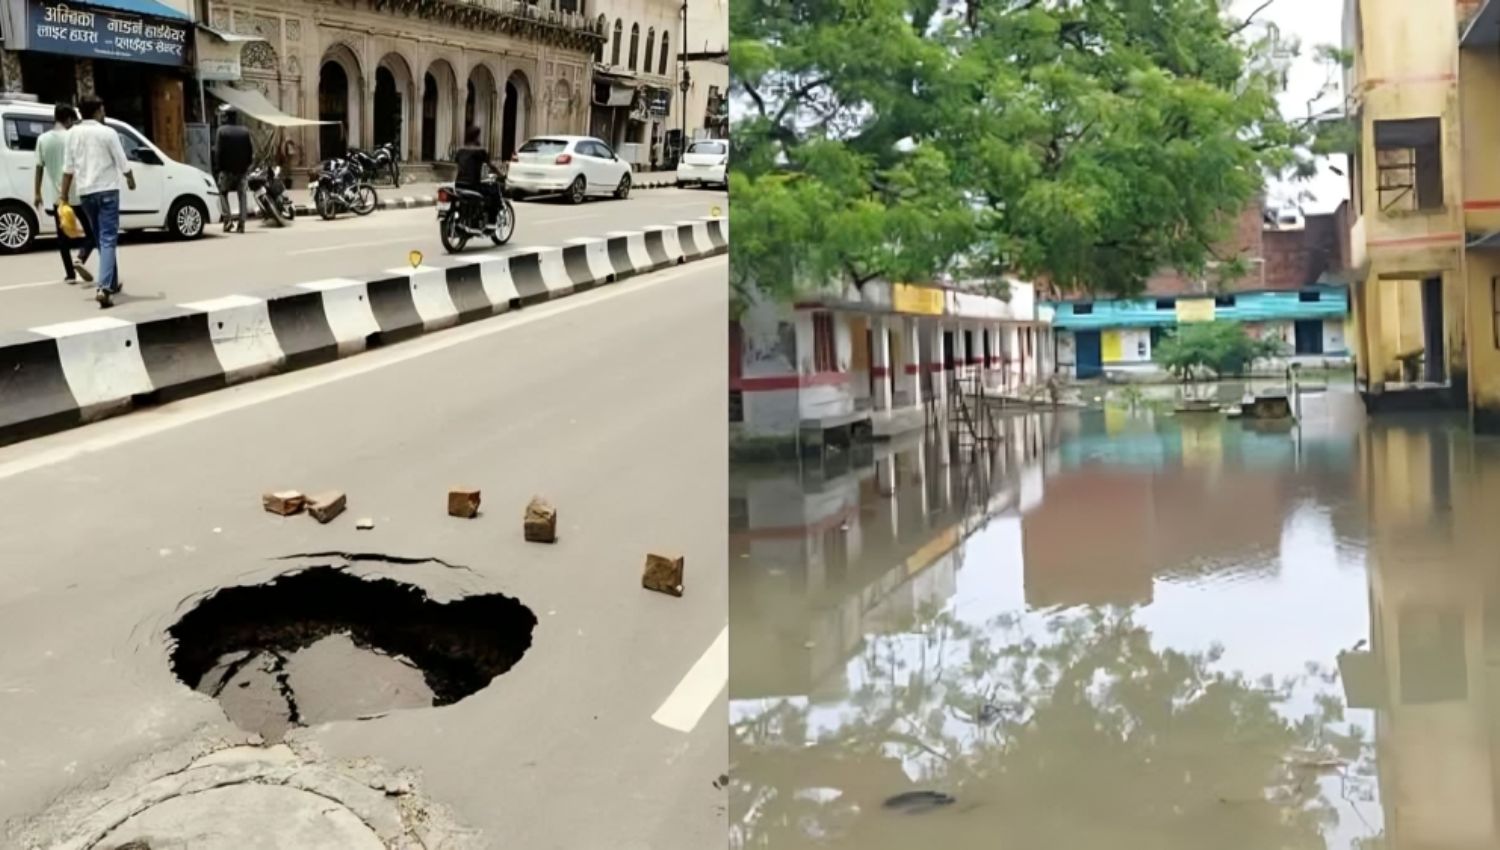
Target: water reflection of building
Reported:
[(1134, 499), (817, 562), (1430, 667)]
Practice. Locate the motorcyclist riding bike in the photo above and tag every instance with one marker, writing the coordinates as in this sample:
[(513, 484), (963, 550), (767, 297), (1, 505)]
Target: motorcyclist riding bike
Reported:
[(472, 160)]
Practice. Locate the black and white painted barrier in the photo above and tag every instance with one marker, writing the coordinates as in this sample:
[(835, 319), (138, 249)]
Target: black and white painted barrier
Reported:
[(61, 376)]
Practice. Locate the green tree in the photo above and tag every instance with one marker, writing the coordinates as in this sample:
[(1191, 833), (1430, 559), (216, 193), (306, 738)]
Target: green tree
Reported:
[(1221, 348), (1087, 144)]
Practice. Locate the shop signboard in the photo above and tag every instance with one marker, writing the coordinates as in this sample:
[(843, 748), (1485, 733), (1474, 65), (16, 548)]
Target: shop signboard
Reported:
[(917, 300), (77, 29), (1195, 310)]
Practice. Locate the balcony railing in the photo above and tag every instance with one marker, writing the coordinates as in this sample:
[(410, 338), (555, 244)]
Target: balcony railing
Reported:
[(535, 12)]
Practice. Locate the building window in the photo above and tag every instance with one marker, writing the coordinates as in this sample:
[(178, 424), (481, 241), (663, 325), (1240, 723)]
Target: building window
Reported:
[(1309, 297), (664, 54), (614, 55), (635, 44), (650, 45), (1166, 303), (1409, 164), (1224, 301), (568, 6), (825, 345), (603, 30), (1082, 309)]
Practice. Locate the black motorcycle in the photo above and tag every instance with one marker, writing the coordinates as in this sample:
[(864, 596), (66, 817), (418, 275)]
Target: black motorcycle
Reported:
[(388, 162), (270, 194), (341, 186), (462, 216)]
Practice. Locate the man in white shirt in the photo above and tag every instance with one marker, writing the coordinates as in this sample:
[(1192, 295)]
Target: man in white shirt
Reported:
[(95, 164)]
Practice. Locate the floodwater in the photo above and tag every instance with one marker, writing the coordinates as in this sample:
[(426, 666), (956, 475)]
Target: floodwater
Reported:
[(1124, 629)]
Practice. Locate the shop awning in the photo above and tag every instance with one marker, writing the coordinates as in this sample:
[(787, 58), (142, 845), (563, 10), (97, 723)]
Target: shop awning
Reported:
[(150, 8), (255, 105), (616, 95)]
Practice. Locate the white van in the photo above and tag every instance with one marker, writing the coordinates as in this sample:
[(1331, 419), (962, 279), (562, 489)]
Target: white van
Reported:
[(167, 194)]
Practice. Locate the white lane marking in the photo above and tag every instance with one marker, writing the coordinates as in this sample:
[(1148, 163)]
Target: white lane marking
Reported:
[(11, 286), (344, 247), (105, 435), (698, 689)]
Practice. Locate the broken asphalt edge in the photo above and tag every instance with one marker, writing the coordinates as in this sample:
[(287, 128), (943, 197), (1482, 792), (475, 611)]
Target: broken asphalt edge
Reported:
[(57, 377)]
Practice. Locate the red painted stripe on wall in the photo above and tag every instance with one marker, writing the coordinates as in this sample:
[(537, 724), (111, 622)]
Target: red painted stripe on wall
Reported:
[(1447, 77), (1483, 205), (772, 383), (1416, 240)]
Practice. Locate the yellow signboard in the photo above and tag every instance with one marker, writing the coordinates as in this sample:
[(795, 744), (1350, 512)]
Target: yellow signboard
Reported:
[(1195, 310), (921, 300)]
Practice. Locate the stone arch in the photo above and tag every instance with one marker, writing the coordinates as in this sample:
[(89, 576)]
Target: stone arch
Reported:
[(482, 104), (439, 109), (614, 50), (603, 31), (517, 117), (341, 99), (650, 47), (394, 104), (666, 51), (635, 45)]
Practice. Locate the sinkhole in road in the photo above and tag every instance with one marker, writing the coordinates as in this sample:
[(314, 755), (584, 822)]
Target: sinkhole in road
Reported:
[(323, 644)]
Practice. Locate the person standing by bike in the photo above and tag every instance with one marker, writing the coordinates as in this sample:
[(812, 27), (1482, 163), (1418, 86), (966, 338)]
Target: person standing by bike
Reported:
[(234, 153), (472, 160)]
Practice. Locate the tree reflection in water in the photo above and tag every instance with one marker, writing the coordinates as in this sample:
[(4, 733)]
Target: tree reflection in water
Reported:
[(1079, 735)]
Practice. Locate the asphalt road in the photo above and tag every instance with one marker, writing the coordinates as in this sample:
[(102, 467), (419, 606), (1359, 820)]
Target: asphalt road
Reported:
[(609, 403), (158, 271)]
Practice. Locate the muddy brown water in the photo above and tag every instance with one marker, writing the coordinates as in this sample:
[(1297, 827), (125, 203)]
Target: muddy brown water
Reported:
[(321, 644), (1125, 629)]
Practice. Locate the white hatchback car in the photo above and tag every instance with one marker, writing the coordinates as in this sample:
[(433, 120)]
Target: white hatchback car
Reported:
[(167, 194), (575, 166), (706, 163)]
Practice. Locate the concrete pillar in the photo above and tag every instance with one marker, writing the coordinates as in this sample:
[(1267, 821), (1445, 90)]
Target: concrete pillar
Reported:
[(880, 364), (911, 356), (939, 377), (922, 484)]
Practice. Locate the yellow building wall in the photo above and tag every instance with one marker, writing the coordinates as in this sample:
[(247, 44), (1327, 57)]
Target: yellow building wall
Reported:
[(1481, 269)]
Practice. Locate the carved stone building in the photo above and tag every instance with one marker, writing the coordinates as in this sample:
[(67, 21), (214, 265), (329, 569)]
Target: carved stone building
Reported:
[(417, 72)]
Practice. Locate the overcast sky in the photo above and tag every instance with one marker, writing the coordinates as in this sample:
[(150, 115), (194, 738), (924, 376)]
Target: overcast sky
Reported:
[(1312, 22)]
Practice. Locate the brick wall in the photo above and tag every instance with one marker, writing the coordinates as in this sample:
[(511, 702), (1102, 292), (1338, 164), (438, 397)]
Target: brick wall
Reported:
[(1297, 258)]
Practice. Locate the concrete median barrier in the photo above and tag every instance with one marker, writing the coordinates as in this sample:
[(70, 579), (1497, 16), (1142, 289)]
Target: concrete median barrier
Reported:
[(59, 376)]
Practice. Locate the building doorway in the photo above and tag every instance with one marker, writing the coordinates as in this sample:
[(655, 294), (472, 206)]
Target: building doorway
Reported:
[(1434, 356), (333, 105), (1308, 335), (429, 117), (387, 108), (1088, 353)]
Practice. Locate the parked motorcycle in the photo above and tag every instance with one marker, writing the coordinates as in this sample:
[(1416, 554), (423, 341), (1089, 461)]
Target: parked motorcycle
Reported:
[(341, 186), (270, 194), (388, 162), (462, 216)]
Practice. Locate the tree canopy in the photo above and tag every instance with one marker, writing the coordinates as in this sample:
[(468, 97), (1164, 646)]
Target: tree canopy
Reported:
[(1086, 143), (1222, 348)]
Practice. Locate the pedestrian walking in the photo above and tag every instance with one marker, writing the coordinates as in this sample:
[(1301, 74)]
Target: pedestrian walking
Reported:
[(95, 165), (51, 152), (234, 151)]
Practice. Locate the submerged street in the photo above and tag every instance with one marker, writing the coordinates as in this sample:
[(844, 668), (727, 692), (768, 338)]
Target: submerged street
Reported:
[(1126, 629), (501, 692)]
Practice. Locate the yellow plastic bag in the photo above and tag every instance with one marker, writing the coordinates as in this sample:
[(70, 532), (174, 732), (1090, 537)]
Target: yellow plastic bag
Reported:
[(69, 221)]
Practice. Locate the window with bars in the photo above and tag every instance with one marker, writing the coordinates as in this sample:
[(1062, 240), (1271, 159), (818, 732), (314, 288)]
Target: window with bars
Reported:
[(825, 344), (1409, 164)]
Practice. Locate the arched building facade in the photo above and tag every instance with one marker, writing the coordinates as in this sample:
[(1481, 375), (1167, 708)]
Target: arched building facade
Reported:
[(418, 74)]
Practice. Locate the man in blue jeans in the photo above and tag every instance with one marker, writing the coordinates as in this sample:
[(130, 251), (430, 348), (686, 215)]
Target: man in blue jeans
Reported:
[(95, 164)]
